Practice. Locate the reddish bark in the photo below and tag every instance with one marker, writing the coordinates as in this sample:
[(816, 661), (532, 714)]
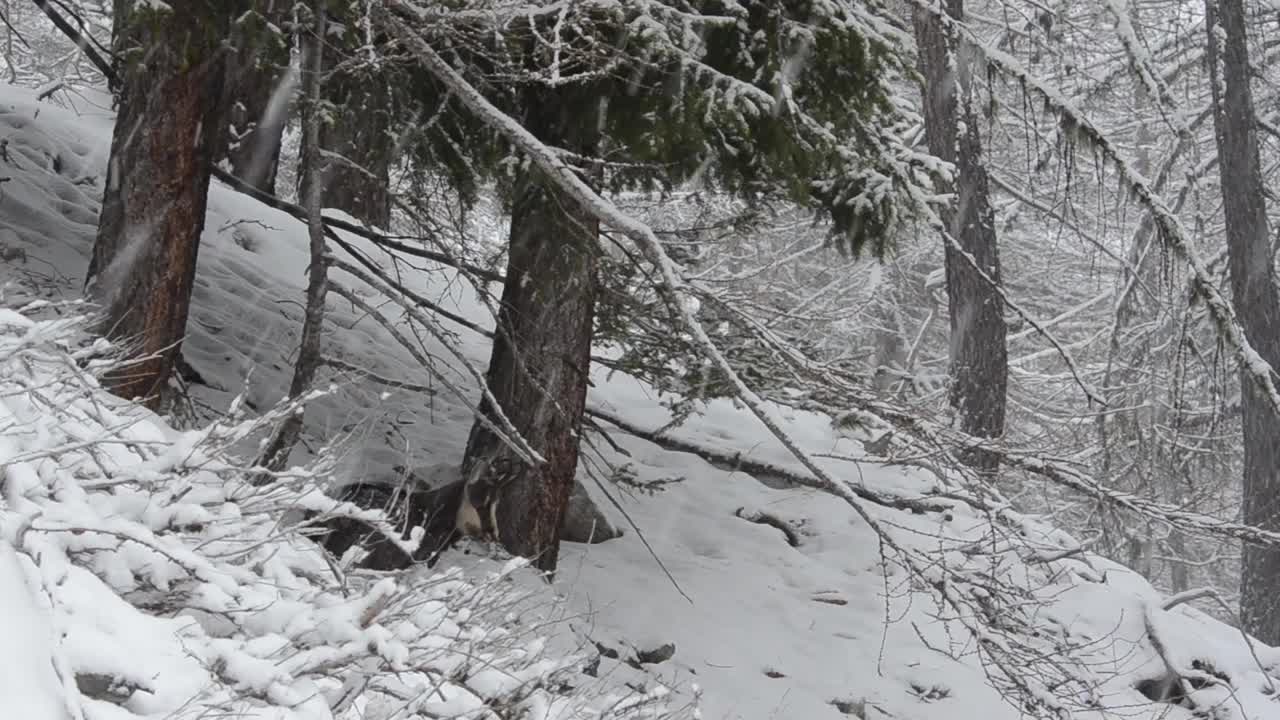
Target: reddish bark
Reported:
[(170, 123)]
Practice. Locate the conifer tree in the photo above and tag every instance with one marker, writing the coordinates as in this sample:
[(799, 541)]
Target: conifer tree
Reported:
[(170, 127), (356, 139), (769, 101)]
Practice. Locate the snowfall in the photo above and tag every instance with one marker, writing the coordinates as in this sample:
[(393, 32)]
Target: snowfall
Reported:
[(144, 577)]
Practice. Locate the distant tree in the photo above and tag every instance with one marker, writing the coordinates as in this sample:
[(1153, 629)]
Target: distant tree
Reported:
[(979, 357), (171, 124), (261, 95), (1253, 284)]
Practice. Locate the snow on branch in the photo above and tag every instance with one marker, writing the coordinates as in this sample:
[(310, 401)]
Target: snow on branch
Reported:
[(1004, 643), (737, 461), (1140, 60), (1078, 125), (835, 393), (168, 585)]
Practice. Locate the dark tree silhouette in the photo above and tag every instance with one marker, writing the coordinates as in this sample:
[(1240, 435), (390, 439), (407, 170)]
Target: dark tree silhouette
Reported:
[(1253, 285), (979, 356)]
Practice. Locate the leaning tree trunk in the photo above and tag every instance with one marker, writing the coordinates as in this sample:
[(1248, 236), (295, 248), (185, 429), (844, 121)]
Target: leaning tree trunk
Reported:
[(260, 87), (171, 123), (357, 143), (541, 357), (979, 360), (1253, 284)]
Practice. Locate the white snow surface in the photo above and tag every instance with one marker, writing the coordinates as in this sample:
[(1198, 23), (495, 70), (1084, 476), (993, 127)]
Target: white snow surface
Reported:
[(835, 626), (29, 682)]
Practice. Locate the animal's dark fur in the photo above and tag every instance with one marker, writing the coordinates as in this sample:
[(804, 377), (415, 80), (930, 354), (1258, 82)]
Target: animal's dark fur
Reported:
[(408, 506), (448, 512)]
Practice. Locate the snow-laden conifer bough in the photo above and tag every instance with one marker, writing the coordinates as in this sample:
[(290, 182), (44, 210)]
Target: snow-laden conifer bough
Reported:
[(145, 577)]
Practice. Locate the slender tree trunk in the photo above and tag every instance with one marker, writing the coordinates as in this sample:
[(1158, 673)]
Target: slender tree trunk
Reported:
[(358, 145), (541, 357), (1253, 284), (171, 122), (1179, 572), (8, 42), (261, 89), (979, 361), (276, 455)]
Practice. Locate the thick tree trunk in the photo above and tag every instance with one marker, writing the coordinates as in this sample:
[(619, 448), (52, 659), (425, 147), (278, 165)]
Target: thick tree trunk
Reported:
[(171, 122), (260, 95), (541, 357), (1253, 284), (276, 454), (358, 145), (979, 361)]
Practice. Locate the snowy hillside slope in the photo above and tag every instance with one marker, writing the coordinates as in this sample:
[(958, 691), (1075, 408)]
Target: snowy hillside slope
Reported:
[(145, 577), (821, 620)]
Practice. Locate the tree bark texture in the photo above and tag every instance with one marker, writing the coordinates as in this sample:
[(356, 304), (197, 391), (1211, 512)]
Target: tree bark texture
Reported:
[(171, 122), (541, 357), (1253, 285), (979, 360)]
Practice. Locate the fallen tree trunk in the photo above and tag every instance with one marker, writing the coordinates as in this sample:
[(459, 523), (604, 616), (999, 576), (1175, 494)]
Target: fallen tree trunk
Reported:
[(737, 462)]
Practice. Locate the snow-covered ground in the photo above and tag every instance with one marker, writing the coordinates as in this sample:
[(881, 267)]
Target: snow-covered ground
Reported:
[(823, 620)]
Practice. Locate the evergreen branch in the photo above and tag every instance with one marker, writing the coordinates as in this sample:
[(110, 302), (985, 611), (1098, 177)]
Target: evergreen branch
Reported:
[(261, 196)]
